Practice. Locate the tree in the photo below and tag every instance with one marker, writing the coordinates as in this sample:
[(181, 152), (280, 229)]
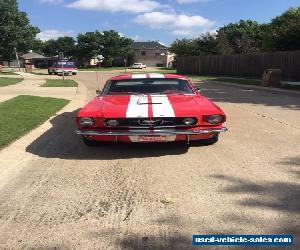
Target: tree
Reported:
[(184, 47), (180, 47), (37, 46), (243, 37), (114, 47), (206, 44), (109, 44), (223, 47), (246, 36), (88, 46), (49, 48), (65, 45), (15, 30), (283, 33)]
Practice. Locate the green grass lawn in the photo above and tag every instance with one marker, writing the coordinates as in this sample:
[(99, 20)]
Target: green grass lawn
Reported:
[(195, 78), (291, 87), (24, 113), (59, 83), (5, 81)]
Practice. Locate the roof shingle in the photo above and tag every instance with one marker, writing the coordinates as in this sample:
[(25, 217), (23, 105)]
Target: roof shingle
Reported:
[(32, 55), (148, 45)]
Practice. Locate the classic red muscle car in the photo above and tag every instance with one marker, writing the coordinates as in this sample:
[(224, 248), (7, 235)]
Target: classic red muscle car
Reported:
[(150, 108)]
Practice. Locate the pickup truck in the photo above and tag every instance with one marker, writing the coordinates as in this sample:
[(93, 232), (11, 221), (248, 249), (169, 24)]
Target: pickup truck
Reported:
[(57, 68)]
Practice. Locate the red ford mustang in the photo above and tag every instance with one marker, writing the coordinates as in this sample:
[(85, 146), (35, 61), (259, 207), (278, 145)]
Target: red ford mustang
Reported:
[(150, 108)]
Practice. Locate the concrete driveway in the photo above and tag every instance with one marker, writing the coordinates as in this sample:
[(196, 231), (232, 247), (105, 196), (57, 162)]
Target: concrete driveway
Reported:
[(68, 196)]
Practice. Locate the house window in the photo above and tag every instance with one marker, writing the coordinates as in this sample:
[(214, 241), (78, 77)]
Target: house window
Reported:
[(143, 53)]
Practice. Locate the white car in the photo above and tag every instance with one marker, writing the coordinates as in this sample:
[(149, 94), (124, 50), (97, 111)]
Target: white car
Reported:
[(138, 66)]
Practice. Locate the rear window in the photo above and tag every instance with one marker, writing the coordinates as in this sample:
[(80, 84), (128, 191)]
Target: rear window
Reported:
[(148, 86)]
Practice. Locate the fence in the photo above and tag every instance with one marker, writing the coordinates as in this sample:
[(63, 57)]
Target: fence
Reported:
[(243, 65)]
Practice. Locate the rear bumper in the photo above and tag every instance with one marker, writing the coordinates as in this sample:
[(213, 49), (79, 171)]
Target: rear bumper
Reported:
[(137, 67), (66, 71), (146, 132)]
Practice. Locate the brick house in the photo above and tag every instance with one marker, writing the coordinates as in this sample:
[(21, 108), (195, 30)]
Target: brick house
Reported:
[(153, 54), (28, 58)]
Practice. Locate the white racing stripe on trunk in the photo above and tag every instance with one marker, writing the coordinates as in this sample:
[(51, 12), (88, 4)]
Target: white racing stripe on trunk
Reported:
[(138, 76), (137, 107), (155, 75), (161, 106)]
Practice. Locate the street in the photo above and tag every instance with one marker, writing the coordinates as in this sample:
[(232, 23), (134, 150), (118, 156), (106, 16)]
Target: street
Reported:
[(69, 196)]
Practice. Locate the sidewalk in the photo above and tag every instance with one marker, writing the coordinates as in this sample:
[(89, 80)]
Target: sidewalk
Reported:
[(31, 86)]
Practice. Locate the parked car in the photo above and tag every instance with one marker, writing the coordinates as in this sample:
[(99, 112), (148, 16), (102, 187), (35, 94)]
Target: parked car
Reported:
[(138, 66), (69, 68), (150, 108)]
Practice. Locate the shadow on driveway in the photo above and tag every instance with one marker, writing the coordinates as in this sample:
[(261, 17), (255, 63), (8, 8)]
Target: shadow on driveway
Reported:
[(61, 142), (280, 196)]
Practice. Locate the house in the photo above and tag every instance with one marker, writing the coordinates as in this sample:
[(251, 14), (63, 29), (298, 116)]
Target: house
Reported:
[(153, 54), (31, 58), (34, 58)]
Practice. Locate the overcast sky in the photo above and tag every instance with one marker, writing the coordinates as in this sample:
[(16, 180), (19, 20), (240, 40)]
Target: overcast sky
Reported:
[(145, 20)]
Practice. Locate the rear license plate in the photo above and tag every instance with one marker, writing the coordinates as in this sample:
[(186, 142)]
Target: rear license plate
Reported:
[(155, 138)]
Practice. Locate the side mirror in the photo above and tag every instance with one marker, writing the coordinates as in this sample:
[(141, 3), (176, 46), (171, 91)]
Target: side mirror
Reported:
[(98, 92), (198, 89)]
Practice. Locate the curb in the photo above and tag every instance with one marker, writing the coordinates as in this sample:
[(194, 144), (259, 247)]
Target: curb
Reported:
[(253, 87)]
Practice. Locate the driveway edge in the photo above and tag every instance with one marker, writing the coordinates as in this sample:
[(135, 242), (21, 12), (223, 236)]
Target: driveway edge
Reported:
[(14, 157)]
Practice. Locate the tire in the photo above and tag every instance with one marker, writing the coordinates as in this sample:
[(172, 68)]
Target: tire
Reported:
[(49, 72), (74, 74), (90, 143), (211, 141)]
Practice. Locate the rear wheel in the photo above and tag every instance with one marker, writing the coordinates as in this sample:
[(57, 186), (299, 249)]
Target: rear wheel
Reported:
[(90, 143)]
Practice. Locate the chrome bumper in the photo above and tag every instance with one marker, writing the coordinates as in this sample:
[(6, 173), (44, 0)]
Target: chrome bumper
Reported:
[(145, 132)]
